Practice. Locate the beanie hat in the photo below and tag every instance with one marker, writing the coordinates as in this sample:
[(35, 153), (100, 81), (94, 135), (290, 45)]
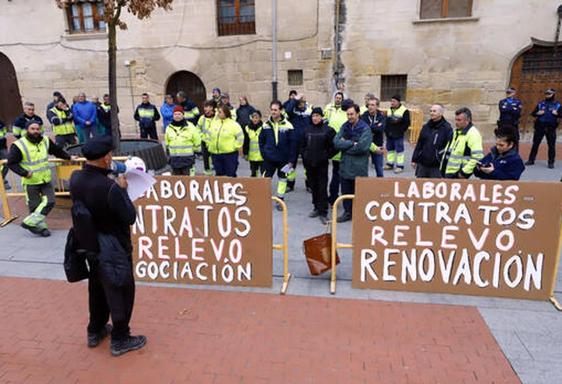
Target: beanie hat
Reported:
[(178, 108), (318, 111)]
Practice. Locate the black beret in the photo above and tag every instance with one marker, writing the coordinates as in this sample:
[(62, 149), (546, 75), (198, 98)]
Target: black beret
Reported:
[(97, 147)]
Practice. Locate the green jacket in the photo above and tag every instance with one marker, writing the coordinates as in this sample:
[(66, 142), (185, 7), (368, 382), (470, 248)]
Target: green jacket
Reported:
[(354, 144)]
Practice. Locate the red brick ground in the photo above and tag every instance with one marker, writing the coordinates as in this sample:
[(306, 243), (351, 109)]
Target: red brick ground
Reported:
[(198, 336)]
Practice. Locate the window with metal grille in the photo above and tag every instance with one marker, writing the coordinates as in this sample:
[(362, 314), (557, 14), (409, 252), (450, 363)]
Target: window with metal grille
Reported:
[(437, 9), (85, 16), (393, 85), (236, 17), (295, 76), (542, 59)]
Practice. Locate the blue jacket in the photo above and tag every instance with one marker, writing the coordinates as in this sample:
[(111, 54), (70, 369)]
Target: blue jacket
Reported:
[(167, 112), (510, 110), (507, 166), (548, 106), (280, 147), (84, 111), (354, 144)]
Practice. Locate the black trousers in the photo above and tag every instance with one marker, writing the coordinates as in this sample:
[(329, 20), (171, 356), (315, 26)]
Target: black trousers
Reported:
[(335, 182), (256, 168), (146, 132), (540, 132), (318, 181), (106, 299), (206, 156), (348, 188)]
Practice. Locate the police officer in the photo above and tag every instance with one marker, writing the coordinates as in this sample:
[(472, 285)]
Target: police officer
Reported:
[(19, 124), (510, 110), (112, 214), (29, 158), (547, 113), (464, 150), (147, 115), (60, 117), (182, 140), (278, 147), (224, 139)]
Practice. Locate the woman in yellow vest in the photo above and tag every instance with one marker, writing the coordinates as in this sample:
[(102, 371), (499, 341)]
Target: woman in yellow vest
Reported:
[(224, 138), (29, 158), (252, 144), (182, 140), (62, 120)]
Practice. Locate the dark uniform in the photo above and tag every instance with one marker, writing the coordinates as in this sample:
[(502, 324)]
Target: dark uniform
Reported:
[(112, 214), (545, 125), (510, 113)]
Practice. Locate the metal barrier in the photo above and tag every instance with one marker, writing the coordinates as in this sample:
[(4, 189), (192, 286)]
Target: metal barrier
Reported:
[(285, 246), (63, 170), (335, 244)]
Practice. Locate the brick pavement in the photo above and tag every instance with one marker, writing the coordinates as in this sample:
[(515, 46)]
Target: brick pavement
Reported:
[(202, 336)]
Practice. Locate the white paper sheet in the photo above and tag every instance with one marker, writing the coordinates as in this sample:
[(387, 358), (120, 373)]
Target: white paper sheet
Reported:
[(139, 182)]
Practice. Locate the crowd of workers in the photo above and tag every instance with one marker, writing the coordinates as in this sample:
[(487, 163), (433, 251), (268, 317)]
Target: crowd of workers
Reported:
[(343, 133)]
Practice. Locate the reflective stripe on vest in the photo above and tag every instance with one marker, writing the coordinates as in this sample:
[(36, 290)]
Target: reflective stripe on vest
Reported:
[(35, 158), (146, 113), (398, 112), (66, 128)]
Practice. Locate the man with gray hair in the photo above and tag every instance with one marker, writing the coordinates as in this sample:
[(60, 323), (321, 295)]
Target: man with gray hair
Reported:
[(19, 124), (464, 150), (434, 136)]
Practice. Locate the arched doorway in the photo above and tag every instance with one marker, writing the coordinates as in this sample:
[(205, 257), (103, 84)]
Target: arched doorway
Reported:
[(10, 98), (189, 83), (535, 70)]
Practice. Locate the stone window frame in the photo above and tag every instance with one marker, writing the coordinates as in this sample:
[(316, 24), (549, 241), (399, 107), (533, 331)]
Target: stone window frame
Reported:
[(96, 6), (237, 26), (295, 77)]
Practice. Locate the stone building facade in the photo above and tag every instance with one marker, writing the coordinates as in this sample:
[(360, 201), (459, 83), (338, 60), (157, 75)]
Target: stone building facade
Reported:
[(456, 61)]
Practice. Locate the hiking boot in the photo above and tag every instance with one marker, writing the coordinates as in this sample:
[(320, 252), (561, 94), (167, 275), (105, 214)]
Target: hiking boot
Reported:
[(344, 217), (45, 232), (314, 214), (131, 343), (530, 162), (32, 229), (388, 167), (399, 170), (551, 165), (94, 339)]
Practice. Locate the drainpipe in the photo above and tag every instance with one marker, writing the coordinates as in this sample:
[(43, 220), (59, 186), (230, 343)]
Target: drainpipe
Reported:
[(274, 49)]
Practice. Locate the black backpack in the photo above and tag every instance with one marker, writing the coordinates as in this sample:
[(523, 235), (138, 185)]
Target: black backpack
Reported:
[(81, 243)]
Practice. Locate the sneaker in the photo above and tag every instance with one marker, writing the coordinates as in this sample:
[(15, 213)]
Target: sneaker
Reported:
[(529, 162), (314, 214), (399, 170), (388, 167), (551, 165), (343, 218), (45, 232), (94, 339), (324, 219), (131, 343), (32, 229)]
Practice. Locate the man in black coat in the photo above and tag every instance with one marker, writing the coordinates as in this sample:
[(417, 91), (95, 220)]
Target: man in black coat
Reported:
[(317, 147), (434, 136), (112, 214)]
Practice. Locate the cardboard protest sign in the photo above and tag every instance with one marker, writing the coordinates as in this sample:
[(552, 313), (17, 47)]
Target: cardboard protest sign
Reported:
[(199, 230), (457, 236)]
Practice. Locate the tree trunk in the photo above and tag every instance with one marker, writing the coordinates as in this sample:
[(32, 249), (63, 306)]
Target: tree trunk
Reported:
[(112, 62)]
